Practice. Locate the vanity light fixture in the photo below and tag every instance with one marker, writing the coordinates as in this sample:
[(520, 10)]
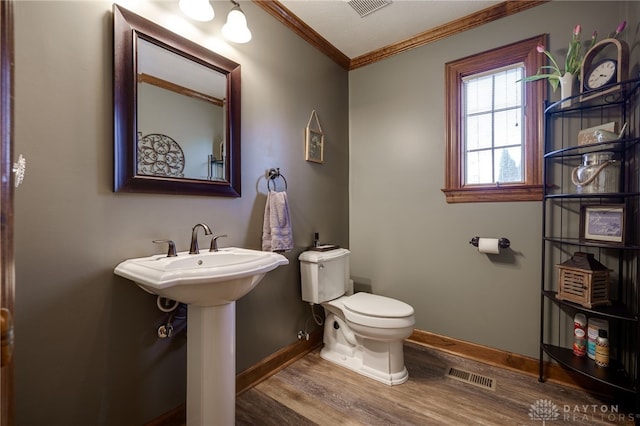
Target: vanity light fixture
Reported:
[(198, 10), (236, 29)]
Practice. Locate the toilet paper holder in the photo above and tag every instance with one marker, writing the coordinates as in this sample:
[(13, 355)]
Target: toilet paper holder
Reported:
[(503, 243)]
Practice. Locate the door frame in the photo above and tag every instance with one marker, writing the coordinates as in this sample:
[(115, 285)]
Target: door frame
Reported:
[(7, 263)]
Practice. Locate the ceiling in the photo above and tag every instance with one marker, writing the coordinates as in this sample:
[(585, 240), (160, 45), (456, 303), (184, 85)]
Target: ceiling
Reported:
[(343, 27), (353, 41)]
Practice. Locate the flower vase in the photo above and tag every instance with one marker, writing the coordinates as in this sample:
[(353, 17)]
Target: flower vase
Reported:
[(567, 85)]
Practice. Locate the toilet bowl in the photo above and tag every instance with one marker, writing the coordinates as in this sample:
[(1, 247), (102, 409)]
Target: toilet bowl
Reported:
[(366, 342), (362, 332)]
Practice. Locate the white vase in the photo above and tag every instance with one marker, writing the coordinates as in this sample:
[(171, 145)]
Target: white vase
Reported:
[(567, 84)]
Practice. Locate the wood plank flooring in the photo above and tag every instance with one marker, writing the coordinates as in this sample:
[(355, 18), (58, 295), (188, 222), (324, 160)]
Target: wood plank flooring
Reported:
[(313, 391)]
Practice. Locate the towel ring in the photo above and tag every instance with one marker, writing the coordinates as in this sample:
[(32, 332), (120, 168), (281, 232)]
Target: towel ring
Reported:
[(273, 175)]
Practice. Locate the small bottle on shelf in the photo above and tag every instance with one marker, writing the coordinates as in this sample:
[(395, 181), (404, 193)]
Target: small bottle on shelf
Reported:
[(580, 335), (602, 349), (594, 325)]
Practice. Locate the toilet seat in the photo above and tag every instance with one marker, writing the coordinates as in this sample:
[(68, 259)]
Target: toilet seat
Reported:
[(372, 310), (377, 306)]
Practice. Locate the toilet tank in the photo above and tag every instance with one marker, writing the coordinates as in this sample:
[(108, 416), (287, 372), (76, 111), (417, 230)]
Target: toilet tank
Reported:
[(324, 274)]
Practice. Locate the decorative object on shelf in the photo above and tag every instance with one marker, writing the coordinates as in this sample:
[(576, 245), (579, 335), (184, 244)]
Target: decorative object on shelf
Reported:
[(613, 68), (604, 222), (314, 141), (568, 83), (598, 173), (602, 349), (573, 64), (580, 335), (589, 136), (572, 61), (600, 74), (584, 280), (594, 327), (159, 155), (603, 135)]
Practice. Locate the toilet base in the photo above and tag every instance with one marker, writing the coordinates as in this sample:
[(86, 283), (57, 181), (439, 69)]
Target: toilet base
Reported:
[(381, 360), (355, 364)]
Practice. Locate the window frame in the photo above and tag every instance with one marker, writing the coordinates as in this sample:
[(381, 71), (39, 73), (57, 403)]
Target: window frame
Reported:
[(534, 94)]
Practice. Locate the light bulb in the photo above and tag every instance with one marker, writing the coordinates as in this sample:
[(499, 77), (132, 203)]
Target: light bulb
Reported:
[(198, 10), (235, 29)]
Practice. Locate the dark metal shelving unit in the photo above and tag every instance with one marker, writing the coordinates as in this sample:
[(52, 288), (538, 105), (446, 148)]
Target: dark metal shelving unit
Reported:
[(614, 375), (561, 237)]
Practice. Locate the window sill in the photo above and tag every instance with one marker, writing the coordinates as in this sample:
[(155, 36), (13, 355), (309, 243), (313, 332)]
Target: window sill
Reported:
[(483, 194)]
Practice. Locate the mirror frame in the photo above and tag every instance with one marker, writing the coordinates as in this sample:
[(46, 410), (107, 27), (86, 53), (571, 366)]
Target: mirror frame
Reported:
[(127, 28)]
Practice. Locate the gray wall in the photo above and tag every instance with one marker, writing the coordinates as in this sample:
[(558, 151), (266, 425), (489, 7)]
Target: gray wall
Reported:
[(86, 345), (406, 241), (86, 349)]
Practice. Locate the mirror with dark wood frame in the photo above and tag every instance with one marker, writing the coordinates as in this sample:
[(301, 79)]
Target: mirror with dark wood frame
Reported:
[(176, 113)]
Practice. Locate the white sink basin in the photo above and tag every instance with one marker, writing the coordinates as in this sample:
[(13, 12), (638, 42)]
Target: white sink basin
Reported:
[(209, 283), (205, 279)]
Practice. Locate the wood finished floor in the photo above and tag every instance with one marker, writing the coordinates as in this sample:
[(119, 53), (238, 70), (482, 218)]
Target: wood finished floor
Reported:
[(313, 391)]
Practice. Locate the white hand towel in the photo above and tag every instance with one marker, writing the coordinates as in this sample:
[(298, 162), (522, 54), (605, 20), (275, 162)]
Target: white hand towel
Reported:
[(276, 228)]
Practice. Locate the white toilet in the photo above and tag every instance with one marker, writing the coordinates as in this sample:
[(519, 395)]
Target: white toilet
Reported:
[(362, 331)]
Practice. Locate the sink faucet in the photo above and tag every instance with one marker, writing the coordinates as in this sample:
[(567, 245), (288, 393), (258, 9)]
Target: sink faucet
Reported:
[(193, 249)]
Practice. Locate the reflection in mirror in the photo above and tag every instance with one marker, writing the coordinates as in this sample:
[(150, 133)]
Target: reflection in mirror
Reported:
[(181, 130), (176, 112)]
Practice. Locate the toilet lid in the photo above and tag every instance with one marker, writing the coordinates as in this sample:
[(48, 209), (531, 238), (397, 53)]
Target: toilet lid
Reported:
[(378, 306)]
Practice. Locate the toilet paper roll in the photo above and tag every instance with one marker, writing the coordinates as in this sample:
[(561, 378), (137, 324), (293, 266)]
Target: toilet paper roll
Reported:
[(488, 245)]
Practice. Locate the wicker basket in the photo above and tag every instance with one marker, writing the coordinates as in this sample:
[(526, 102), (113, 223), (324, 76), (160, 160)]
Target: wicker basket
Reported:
[(583, 280)]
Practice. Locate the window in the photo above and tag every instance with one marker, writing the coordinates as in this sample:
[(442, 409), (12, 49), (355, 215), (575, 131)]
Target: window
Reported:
[(494, 125), (493, 131)]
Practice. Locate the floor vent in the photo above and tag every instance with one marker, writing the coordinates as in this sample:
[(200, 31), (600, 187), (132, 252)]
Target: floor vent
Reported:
[(471, 378), (365, 7)]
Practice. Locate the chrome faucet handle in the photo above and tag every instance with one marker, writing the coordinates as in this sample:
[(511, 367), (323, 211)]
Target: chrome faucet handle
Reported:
[(214, 242), (172, 247), (193, 248)]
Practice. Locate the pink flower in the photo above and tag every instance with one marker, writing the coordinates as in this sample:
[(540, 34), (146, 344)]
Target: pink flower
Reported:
[(594, 35), (540, 48), (620, 28), (577, 30)]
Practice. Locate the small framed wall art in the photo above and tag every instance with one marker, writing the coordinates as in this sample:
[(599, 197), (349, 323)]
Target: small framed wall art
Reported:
[(604, 223), (314, 141)]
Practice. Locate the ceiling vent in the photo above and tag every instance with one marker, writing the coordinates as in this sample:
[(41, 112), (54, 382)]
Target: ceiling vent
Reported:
[(366, 7)]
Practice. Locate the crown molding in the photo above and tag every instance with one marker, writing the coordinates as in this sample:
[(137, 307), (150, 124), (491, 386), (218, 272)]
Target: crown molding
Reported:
[(295, 24), (468, 22)]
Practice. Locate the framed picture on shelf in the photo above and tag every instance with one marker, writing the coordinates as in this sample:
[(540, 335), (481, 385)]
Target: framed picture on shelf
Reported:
[(603, 223)]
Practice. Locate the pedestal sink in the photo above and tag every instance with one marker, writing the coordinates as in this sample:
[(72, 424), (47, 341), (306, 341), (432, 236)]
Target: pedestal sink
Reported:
[(209, 283)]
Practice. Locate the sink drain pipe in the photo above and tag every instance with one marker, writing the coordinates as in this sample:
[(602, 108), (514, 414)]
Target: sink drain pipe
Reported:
[(169, 306)]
